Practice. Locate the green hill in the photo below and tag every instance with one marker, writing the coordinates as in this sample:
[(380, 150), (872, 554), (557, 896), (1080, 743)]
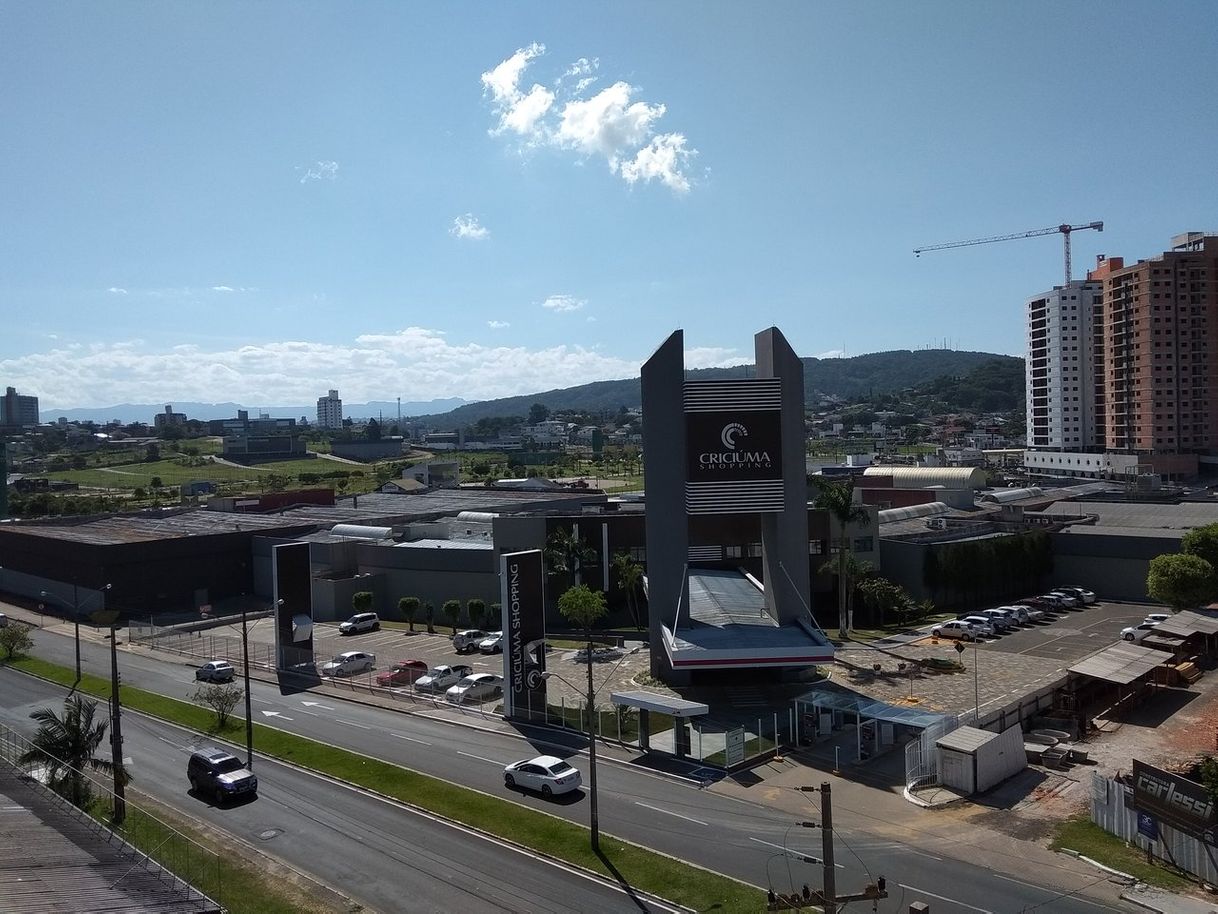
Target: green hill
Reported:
[(862, 375)]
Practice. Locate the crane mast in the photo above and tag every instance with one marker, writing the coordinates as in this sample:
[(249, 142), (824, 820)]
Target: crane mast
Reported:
[(1063, 229)]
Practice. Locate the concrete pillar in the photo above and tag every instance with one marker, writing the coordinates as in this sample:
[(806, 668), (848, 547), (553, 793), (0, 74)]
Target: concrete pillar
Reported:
[(644, 729), (680, 737)]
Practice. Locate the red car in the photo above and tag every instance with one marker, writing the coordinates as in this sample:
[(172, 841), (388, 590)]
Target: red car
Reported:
[(403, 672)]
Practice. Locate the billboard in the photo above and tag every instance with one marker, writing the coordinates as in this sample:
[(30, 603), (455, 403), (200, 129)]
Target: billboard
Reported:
[(522, 596), (1176, 801), (292, 597), (733, 446)]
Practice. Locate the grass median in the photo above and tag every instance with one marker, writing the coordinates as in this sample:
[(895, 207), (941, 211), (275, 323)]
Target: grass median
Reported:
[(642, 869), (1083, 835)]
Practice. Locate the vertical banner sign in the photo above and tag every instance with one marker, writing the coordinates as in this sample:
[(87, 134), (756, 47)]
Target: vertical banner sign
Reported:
[(521, 584), (292, 598)]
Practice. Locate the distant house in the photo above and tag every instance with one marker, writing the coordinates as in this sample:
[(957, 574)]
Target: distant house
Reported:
[(198, 487)]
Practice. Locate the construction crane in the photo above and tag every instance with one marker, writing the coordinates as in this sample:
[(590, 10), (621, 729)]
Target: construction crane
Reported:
[(1064, 230)]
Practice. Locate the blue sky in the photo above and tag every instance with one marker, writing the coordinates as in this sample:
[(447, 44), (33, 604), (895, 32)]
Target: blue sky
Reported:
[(258, 202)]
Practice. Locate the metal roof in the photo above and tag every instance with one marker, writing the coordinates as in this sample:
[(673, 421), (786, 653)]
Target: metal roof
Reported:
[(1186, 623), (868, 708), (652, 701), (1183, 516), (145, 528), (924, 477), (966, 739), (56, 860), (1121, 663), (909, 512)]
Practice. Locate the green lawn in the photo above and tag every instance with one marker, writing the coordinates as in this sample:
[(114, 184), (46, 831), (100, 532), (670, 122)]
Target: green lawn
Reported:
[(1083, 835), (870, 634), (639, 867)]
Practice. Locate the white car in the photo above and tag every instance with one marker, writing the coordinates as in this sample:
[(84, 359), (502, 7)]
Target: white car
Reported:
[(955, 628), (1027, 613), (492, 644), (360, 622), (1001, 619), (3, 621), (1067, 597), (1018, 614), (1157, 617), (1138, 632), (216, 671), (981, 624), (439, 678), (476, 687), (349, 663), (546, 773), (1085, 596)]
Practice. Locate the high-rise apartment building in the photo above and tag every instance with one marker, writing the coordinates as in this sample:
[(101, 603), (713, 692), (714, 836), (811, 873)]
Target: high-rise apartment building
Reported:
[(1060, 366), (330, 411), (17, 411), (1144, 377)]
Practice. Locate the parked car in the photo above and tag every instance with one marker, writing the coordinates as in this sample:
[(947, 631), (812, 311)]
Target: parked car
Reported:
[(983, 626), (1053, 600), (403, 672), (476, 687), (467, 641), (492, 643), (1157, 617), (360, 622), (1018, 614), (1001, 619), (1139, 631), (546, 773), (3, 621), (349, 663), (220, 775), (1038, 603), (1066, 597), (956, 628), (216, 671), (439, 678), (1031, 612), (1086, 596)]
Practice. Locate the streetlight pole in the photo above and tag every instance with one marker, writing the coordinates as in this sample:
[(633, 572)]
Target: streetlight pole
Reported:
[(249, 718), (116, 733), (976, 688), (595, 824)]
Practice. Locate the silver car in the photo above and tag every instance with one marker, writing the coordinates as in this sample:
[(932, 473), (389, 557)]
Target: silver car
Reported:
[(981, 624), (215, 671), (349, 663), (476, 687)]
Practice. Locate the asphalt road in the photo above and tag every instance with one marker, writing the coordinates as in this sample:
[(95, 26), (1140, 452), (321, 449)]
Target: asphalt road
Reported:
[(378, 853), (742, 839)]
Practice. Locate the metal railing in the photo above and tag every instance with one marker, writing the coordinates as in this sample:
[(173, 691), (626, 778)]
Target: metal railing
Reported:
[(175, 860)]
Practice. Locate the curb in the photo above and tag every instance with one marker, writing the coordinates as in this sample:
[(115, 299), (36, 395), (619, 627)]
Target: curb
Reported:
[(1131, 880), (1127, 896)]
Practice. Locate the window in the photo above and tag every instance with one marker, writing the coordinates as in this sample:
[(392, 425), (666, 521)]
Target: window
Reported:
[(816, 547), (638, 553), (733, 552), (754, 550), (864, 544)]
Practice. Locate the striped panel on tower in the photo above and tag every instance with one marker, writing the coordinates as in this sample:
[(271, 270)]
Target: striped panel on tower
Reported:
[(733, 497), (705, 553), (745, 393)]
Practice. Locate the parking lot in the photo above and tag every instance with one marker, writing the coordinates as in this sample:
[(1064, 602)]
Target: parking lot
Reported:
[(1072, 634)]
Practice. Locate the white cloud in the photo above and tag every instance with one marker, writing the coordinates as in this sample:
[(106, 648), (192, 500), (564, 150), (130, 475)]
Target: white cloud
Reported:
[(591, 319), (519, 112), (497, 325), (713, 357), (223, 289), (563, 303), (830, 354), (468, 226), (318, 171), (115, 290), (611, 124), (374, 366)]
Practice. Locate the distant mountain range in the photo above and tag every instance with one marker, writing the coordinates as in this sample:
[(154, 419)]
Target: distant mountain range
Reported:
[(874, 373), (143, 412)]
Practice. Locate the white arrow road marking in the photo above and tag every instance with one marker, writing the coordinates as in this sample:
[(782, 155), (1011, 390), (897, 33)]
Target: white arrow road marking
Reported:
[(276, 714), (411, 738), (791, 850), (667, 813), (316, 704)]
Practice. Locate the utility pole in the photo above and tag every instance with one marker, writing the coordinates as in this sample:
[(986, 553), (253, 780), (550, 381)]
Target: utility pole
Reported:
[(826, 834), (116, 734), (595, 818), (249, 719)]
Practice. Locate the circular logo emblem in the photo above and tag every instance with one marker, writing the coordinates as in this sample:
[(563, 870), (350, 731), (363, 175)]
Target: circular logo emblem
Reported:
[(730, 433), (533, 679)]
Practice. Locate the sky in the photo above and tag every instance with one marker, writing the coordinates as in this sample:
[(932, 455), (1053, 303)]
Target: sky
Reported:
[(259, 202)]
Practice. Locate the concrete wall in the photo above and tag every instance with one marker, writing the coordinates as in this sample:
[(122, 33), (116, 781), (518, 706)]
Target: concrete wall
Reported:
[(1113, 565)]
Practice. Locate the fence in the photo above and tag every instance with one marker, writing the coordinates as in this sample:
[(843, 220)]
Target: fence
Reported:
[(1112, 811), (922, 756), (180, 866)]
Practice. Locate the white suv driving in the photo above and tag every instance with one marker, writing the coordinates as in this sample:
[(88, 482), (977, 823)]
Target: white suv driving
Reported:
[(360, 622)]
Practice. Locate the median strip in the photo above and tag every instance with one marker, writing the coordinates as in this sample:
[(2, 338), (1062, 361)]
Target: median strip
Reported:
[(619, 861)]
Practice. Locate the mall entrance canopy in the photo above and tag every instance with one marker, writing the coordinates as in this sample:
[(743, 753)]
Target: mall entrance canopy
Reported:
[(678, 708), (828, 707)]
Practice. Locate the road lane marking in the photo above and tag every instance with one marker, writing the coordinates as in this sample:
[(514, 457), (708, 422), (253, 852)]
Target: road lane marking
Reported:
[(339, 720), (411, 738), (317, 704), (261, 701), (944, 898), (920, 854), (1042, 888), (479, 758), (274, 714), (790, 850), (668, 813)]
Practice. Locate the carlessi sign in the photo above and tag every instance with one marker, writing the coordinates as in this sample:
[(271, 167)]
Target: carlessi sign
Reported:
[(1175, 800), (521, 582)]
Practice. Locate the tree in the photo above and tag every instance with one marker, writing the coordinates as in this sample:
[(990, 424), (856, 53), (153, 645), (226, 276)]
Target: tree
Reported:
[(373, 430), (566, 553), (629, 575), (1202, 542), (837, 498), (155, 482), (152, 454), (67, 746), (220, 698), (476, 609), (1181, 581), (410, 608), (429, 613), (16, 640), (583, 608), (538, 412), (452, 612), (361, 601)]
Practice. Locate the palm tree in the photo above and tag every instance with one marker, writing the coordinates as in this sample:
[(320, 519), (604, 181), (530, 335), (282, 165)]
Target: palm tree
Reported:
[(837, 498), (66, 745), (566, 553), (629, 574)]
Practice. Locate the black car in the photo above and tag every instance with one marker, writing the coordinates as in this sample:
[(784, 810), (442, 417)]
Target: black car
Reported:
[(220, 775)]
